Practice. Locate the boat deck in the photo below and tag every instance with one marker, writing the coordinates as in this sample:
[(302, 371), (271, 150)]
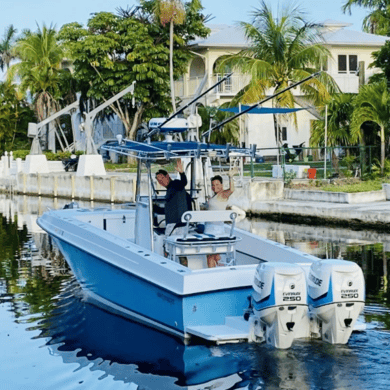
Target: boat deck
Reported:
[(235, 329)]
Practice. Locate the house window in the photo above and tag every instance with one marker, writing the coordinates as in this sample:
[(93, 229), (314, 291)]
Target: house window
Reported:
[(348, 63), (353, 64), (342, 64), (284, 133)]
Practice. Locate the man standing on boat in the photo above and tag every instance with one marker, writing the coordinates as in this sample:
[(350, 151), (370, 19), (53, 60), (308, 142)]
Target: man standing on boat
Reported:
[(177, 200)]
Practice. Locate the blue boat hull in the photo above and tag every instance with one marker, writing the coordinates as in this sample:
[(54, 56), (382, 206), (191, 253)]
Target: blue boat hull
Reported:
[(147, 302)]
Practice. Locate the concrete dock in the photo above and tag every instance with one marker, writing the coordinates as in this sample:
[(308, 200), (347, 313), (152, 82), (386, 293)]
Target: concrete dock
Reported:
[(373, 215)]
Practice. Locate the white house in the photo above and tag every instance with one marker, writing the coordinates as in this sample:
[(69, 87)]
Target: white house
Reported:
[(351, 55)]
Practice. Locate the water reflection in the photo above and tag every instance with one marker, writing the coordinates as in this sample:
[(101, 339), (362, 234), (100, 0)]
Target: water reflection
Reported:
[(83, 333), (45, 320)]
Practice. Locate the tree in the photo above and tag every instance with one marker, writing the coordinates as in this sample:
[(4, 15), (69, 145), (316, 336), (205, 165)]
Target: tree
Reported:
[(15, 114), (39, 69), (6, 44), (114, 50), (282, 51), (381, 61), (339, 114), (170, 12), (372, 104), (378, 20), (230, 133)]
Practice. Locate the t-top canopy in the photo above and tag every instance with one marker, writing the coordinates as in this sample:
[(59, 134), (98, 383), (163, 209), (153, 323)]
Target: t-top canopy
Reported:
[(165, 150), (262, 110)]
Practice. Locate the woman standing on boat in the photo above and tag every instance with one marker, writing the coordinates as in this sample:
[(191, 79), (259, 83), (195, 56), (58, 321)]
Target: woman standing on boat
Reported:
[(218, 202), (220, 198)]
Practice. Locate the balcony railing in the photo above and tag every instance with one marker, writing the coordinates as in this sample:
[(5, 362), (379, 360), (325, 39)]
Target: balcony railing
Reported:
[(188, 86), (348, 83)]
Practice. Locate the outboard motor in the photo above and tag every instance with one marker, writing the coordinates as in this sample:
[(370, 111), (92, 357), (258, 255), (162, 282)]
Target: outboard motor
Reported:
[(335, 297), (279, 303)]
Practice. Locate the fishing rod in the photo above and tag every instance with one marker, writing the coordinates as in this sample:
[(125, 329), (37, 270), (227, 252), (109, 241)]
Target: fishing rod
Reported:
[(208, 132), (157, 129)]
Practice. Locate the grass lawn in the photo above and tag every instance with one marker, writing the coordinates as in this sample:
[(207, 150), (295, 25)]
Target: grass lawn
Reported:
[(341, 185), (124, 167)]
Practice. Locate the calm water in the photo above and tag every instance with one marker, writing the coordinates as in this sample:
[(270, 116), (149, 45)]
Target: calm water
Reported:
[(51, 339)]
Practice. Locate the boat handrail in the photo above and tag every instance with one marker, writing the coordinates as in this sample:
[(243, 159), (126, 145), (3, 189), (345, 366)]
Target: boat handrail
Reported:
[(208, 216)]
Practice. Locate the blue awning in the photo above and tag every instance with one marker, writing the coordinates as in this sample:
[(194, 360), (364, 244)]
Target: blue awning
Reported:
[(262, 110)]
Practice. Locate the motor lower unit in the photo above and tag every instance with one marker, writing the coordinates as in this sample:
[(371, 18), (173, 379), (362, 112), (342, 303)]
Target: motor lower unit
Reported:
[(290, 302)]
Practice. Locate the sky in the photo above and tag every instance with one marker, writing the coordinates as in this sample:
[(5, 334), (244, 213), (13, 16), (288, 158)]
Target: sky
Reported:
[(27, 13)]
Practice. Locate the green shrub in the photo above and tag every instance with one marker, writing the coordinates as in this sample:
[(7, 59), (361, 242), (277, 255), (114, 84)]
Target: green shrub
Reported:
[(288, 177), (346, 173), (51, 156), (376, 168), (348, 161), (63, 155), (20, 154)]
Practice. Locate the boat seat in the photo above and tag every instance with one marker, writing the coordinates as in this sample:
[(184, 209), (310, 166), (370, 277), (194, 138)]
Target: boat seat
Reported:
[(195, 245), (192, 243)]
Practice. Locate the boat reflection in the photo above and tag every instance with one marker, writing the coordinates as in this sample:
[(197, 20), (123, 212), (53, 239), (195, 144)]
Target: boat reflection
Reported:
[(81, 332)]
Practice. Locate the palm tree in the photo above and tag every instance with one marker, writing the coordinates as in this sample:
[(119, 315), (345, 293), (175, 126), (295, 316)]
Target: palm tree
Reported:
[(282, 51), (339, 114), (378, 20), (170, 12), (39, 69), (6, 44), (230, 133), (372, 104)]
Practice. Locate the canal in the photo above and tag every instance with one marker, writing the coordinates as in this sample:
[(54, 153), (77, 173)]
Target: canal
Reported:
[(51, 339)]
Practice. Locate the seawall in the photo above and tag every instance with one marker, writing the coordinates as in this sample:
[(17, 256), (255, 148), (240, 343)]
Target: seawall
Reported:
[(119, 188), (261, 198)]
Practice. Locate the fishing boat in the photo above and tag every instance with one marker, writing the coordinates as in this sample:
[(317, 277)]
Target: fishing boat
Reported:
[(262, 292)]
